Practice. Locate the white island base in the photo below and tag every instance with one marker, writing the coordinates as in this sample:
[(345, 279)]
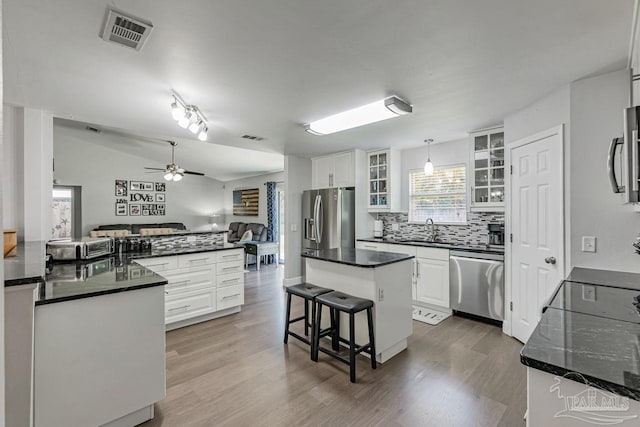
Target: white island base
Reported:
[(388, 286)]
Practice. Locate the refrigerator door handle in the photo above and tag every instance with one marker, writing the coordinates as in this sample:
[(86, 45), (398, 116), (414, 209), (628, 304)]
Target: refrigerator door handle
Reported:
[(634, 164), (611, 165), (319, 222), (315, 218)]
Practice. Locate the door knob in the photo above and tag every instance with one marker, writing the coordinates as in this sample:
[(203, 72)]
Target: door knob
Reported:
[(550, 260)]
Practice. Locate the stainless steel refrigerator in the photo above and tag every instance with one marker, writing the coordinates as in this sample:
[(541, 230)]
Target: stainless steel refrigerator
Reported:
[(329, 218)]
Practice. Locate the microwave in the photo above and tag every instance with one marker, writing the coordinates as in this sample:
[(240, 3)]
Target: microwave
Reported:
[(624, 171), (88, 248)]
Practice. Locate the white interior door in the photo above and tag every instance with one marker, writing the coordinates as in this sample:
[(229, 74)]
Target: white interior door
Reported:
[(536, 225)]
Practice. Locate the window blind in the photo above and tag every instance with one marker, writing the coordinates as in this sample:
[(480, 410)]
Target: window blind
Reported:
[(441, 196)]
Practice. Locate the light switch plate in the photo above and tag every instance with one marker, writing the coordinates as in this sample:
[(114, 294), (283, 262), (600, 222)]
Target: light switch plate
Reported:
[(294, 227), (395, 227), (588, 244)]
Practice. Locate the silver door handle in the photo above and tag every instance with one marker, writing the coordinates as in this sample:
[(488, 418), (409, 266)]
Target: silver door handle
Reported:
[(231, 296), (550, 260), (611, 160), (319, 222)]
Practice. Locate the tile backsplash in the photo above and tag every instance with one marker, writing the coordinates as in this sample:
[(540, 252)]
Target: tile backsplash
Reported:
[(185, 241), (474, 233)]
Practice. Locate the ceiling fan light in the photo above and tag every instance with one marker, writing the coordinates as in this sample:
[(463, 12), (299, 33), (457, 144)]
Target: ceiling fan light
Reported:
[(177, 177), (202, 136), (168, 176)]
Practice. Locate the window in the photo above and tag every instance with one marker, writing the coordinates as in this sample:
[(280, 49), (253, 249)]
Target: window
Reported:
[(441, 196)]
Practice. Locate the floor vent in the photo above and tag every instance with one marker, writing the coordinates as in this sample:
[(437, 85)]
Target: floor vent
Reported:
[(253, 137), (126, 30)]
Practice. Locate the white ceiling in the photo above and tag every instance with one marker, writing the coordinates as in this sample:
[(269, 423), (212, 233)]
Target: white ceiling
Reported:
[(265, 67), (220, 162)]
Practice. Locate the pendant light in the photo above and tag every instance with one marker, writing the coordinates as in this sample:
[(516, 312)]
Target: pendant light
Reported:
[(428, 166)]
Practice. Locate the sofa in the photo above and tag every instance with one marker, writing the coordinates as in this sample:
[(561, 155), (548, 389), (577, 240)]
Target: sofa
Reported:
[(237, 229), (135, 228)]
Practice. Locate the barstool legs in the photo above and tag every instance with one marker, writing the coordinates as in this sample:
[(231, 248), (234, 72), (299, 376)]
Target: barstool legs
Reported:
[(372, 339), (352, 348), (286, 320)]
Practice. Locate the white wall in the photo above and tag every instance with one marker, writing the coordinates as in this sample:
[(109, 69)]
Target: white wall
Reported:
[(85, 159), (596, 117), (442, 154), (27, 169), (550, 111), (592, 111), (297, 178), (241, 184), (2, 190)]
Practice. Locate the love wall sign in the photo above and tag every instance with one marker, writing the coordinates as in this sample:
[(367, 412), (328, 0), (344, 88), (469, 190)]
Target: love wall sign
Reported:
[(141, 199)]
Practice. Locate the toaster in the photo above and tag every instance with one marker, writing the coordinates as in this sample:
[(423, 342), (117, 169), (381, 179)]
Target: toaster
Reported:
[(87, 248)]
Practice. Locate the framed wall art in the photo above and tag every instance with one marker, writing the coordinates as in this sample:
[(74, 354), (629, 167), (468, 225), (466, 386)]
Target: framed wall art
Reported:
[(122, 209), (160, 186), (141, 186), (245, 202), (121, 187), (134, 210), (160, 197)]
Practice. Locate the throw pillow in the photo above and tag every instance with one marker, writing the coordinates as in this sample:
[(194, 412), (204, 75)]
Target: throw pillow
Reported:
[(247, 236)]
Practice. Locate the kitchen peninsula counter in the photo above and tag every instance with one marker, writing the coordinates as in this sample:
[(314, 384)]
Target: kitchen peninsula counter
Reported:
[(382, 277)]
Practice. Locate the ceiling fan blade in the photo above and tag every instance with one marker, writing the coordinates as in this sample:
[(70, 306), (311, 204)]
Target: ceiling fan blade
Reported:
[(158, 171), (194, 173), (155, 169)]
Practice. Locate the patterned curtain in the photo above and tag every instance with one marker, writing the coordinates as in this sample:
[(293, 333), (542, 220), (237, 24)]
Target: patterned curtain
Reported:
[(272, 216)]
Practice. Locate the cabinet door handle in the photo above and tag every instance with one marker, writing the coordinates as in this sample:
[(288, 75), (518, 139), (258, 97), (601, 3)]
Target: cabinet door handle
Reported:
[(231, 256), (198, 260), (184, 282), (231, 296), (157, 265), (417, 270), (230, 280), (230, 268), (180, 308)]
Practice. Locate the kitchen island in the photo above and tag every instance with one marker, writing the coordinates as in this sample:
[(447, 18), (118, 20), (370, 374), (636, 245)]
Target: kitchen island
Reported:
[(583, 360), (383, 277)]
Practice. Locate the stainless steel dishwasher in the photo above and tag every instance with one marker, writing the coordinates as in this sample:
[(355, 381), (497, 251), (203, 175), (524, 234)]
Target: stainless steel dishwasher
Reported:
[(477, 283)]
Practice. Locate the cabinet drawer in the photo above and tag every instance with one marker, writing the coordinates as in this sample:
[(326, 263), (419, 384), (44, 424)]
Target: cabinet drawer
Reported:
[(225, 280), (230, 296), (186, 280), (433, 253), (402, 249), (373, 246), (192, 260), (230, 267), (160, 263), (189, 305), (230, 255)]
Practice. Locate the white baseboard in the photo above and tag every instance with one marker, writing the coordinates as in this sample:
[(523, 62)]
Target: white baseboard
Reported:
[(292, 281)]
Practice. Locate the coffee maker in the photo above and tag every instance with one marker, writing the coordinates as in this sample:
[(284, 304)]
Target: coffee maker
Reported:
[(496, 233)]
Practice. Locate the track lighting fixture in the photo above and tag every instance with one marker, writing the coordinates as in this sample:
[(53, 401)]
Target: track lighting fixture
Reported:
[(189, 117)]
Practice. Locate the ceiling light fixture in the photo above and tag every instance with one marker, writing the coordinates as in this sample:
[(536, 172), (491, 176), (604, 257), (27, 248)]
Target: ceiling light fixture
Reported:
[(428, 166), (189, 117), (382, 109)]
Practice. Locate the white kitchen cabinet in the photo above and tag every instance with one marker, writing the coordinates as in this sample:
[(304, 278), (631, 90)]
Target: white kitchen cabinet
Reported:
[(336, 170), (372, 246), (384, 180), (199, 285), (407, 250), (486, 170), (432, 277)]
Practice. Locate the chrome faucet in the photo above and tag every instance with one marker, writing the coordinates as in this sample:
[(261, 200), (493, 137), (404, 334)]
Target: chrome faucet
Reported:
[(434, 232)]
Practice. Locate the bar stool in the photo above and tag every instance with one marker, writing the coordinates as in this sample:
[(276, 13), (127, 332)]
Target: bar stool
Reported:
[(308, 292), (340, 302)]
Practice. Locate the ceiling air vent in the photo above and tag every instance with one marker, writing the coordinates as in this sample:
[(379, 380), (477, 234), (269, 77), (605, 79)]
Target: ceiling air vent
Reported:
[(126, 30), (253, 137)]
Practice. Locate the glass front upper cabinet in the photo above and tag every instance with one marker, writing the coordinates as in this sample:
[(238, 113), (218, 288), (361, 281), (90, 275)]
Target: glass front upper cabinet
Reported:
[(487, 160)]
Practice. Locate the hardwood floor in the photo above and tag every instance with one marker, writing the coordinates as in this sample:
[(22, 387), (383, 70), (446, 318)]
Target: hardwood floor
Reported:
[(236, 371)]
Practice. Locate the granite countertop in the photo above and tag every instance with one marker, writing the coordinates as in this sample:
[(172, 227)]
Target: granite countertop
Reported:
[(356, 257), (64, 281), (591, 326), (28, 266), (441, 245)]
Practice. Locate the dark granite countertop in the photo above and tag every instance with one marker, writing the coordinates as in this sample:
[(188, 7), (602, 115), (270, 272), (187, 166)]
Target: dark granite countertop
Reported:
[(440, 245), (28, 266), (356, 257), (191, 249), (591, 326), (64, 281)]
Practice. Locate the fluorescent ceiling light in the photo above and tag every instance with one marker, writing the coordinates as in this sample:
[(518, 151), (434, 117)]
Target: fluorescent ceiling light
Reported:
[(374, 112)]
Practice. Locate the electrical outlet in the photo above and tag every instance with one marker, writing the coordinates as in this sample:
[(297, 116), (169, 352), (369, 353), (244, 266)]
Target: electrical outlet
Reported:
[(588, 244), (380, 295), (589, 293), (191, 239), (294, 227), (395, 227)]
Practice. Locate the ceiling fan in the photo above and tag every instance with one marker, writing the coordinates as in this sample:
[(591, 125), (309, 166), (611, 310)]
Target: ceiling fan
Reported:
[(173, 172)]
